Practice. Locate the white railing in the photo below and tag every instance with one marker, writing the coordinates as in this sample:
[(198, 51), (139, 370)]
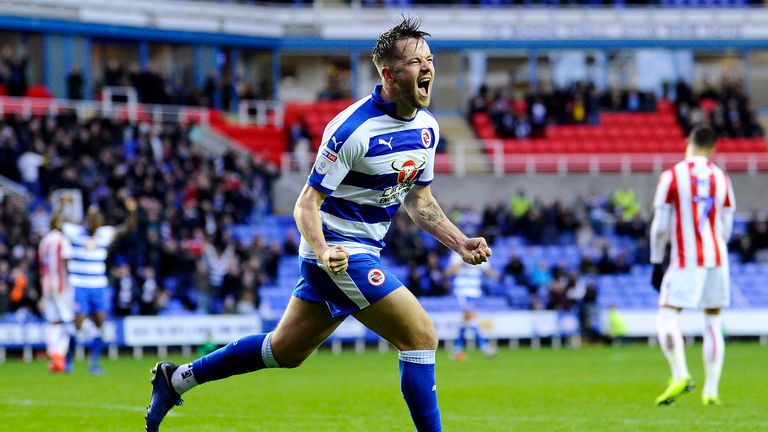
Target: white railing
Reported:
[(133, 112), (261, 112), (468, 157)]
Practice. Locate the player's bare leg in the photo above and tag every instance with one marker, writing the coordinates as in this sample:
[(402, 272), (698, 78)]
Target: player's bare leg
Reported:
[(303, 327), (400, 319), (673, 347), (713, 353)]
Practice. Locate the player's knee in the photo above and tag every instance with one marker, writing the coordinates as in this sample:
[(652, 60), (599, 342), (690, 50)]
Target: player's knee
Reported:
[(422, 338), (291, 360)]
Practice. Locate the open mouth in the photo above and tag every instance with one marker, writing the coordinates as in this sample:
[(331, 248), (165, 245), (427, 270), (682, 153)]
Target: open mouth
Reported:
[(423, 86)]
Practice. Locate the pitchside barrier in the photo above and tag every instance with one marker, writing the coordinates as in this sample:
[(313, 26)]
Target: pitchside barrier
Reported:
[(185, 332)]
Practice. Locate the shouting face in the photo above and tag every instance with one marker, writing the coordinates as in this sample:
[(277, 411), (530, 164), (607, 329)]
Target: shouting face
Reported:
[(413, 74)]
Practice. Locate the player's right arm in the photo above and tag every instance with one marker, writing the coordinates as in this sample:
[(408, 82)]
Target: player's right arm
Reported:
[(306, 213)]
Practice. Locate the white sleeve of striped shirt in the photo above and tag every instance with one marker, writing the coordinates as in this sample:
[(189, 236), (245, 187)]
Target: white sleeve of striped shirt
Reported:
[(341, 161), (66, 248), (661, 218)]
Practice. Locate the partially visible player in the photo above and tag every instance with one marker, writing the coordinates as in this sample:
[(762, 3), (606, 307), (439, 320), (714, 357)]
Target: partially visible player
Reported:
[(468, 288), (58, 298), (694, 207), (88, 270), (377, 155)]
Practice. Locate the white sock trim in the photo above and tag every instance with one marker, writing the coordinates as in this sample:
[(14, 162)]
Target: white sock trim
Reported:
[(183, 378), (418, 356), (266, 352)]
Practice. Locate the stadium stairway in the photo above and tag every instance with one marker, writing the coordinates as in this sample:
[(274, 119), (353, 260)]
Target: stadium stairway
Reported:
[(454, 128)]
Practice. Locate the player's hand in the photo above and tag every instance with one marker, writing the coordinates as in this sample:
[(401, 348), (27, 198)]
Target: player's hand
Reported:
[(336, 259), (475, 251), (130, 204), (657, 276)]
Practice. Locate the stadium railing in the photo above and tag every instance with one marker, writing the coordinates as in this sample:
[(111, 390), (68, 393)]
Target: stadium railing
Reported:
[(467, 157), (128, 111)]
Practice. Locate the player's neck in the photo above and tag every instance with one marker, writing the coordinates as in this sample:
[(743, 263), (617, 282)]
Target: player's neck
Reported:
[(692, 151), (402, 108)]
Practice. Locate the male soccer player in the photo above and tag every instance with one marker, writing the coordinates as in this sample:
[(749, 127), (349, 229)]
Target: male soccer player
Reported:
[(376, 155), (694, 206), (88, 270), (58, 298), (468, 288)]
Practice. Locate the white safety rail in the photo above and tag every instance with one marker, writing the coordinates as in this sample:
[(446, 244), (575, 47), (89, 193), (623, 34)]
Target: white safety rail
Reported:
[(261, 113), (128, 111), (460, 161)]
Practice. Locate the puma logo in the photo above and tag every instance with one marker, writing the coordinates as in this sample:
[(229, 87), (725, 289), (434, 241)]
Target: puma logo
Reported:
[(336, 144), (386, 143)]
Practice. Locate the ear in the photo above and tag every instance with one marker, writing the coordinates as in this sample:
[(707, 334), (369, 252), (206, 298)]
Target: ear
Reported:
[(387, 74)]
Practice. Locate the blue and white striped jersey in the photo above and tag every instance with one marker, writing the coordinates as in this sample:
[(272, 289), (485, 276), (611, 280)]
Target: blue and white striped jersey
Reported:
[(369, 160), (87, 266), (468, 281)]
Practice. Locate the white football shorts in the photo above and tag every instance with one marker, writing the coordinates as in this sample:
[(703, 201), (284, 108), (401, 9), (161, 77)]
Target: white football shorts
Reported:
[(59, 308), (696, 288)]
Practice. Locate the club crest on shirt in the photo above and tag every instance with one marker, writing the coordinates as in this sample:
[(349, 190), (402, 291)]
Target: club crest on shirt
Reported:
[(376, 277), (426, 137), (407, 170)]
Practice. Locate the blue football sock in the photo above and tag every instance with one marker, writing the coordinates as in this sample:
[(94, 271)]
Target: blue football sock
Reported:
[(479, 339), (460, 341), (246, 354), (70, 357), (417, 382), (96, 345)]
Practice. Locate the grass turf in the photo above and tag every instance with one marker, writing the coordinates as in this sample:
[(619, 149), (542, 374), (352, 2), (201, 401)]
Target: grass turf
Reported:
[(589, 389)]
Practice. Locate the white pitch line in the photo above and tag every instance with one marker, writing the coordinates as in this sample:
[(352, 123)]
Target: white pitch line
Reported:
[(60, 404)]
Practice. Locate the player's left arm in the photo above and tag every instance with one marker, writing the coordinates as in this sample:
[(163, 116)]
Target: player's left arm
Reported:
[(129, 226), (729, 209), (662, 212), (423, 208)]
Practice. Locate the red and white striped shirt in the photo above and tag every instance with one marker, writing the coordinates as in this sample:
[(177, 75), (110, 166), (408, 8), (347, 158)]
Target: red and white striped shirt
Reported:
[(694, 205), (53, 250)]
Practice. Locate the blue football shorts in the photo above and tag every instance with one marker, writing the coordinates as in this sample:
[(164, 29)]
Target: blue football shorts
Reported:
[(467, 303), (90, 300), (365, 282)]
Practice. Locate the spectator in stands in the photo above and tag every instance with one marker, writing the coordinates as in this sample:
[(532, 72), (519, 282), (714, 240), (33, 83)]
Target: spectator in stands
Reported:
[(218, 256), (480, 102), (4, 288), (16, 65), (124, 298), (113, 73), (515, 268), (151, 295), (435, 277), (29, 164), (75, 83)]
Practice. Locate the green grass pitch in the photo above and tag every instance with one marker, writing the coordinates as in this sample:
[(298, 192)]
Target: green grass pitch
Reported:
[(588, 389)]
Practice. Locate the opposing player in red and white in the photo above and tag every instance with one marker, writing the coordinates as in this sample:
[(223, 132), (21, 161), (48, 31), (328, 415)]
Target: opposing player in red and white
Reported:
[(694, 207), (58, 297)]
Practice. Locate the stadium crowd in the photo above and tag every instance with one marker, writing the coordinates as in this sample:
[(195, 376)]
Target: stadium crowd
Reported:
[(521, 115), (187, 201), (184, 251)]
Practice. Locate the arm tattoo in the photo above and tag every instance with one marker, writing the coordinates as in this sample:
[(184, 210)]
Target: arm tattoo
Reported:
[(432, 214)]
